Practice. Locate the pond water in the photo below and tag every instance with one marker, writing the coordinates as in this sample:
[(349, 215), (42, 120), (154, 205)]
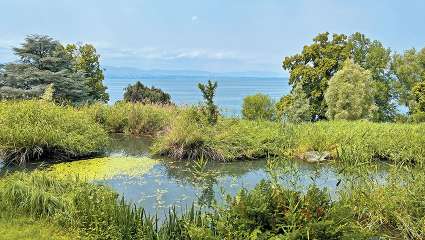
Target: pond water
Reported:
[(158, 183), (176, 183)]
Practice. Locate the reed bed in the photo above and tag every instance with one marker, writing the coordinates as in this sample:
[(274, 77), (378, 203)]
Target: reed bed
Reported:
[(38, 130)]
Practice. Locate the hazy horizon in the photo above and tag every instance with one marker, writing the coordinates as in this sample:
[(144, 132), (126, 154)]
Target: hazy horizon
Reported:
[(215, 36)]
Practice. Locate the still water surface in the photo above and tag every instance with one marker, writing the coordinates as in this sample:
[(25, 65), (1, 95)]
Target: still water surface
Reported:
[(170, 183)]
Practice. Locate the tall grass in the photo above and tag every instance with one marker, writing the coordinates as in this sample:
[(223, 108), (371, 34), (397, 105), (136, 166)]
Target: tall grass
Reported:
[(132, 118), (34, 130), (363, 210), (190, 136), (94, 212)]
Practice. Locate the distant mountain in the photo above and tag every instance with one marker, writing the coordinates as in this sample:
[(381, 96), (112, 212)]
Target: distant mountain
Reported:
[(130, 73)]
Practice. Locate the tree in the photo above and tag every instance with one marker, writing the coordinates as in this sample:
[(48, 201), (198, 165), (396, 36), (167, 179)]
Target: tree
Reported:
[(409, 68), (418, 92), (140, 93), (258, 107), (296, 107), (208, 92), (87, 61), (317, 63), (373, 56), (349, 95), (44, 61)]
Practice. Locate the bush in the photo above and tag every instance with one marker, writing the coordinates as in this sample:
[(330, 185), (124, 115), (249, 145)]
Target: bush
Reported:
[(258, 107), (140, 93), (35, 130)]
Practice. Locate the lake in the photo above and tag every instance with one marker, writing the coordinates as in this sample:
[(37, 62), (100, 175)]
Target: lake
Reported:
[(184, 90)]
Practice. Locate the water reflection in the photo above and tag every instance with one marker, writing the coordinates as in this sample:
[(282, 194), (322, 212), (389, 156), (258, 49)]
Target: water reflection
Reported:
[(171, 183)]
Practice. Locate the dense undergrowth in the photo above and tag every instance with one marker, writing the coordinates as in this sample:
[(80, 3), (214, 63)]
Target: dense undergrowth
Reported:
[(363, 210), (34, 130)]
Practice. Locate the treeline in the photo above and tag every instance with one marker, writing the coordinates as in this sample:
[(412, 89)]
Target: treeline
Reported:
[(353, 77)]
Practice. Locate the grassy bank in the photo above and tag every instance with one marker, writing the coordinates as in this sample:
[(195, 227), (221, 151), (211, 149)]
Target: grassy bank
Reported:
[(132, 118), (270, 211), (37, 130), (190, 136)]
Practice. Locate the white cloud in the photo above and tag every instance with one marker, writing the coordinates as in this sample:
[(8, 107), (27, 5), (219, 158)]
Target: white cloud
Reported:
[(162, 54), (194, 18)]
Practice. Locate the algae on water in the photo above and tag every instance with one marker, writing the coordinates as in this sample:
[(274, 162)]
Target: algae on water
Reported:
[(104, 168)]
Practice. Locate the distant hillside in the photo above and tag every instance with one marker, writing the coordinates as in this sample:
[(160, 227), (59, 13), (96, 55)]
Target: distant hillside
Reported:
[(129, 73)]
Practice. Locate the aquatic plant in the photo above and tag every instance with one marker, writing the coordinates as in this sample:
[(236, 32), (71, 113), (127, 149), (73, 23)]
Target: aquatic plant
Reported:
[(103, 168), (39, 130)]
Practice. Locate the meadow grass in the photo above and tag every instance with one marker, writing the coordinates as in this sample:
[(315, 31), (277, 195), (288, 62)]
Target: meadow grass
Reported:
[(38, 130)]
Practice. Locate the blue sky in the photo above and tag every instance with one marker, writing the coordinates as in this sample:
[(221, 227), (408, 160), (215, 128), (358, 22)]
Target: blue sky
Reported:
[(214, 35)]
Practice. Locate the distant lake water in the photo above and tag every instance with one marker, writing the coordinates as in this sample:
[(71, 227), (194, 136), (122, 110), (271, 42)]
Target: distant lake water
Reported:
[(184, 90)]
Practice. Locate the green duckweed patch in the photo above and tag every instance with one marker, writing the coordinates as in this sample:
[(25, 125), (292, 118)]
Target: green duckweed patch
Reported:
[(103, 168)]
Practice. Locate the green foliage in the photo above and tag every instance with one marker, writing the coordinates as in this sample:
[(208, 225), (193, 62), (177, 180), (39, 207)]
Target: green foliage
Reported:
[(139, 93), (48, 93), (315, 65), (410, 70), (258, 107), (132, 118), (394, 210), (297, 107), (270, 210), (76, 75), (87, 61), (312, 69), (418, 92), (208, 92), (350, 95), (189, 136), (37, 130)]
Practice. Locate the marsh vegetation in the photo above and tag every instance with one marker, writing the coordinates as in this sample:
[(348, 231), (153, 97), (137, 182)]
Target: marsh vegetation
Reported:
[(340, 117)]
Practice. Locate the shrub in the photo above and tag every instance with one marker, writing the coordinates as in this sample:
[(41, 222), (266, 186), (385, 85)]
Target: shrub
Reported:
[(210, 109), (140, 93), (35, 130), (258, 107), (270, 210)]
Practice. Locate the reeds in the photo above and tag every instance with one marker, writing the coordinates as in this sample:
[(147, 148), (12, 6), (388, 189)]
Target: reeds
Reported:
[(38, 130)]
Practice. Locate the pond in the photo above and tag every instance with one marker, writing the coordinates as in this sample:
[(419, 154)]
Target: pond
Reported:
[(159, 183), (180, 183)]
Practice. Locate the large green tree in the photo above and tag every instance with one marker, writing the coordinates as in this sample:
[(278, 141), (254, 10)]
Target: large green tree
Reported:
[(87, 61), (311, 69), (42, 62), (350, 95), (409, 69), (317, 63)]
